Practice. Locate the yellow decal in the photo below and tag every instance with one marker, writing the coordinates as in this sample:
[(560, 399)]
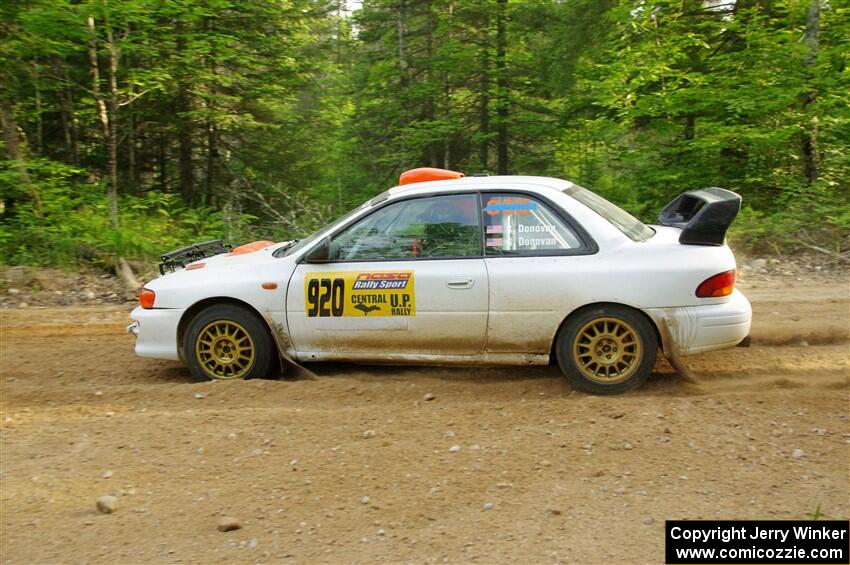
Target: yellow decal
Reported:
[(357, 293)]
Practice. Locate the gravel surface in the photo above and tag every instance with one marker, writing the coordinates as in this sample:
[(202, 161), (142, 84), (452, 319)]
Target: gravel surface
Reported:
[(399, 464)]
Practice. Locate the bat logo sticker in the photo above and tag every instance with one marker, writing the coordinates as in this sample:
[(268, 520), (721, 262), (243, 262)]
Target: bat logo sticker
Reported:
[(366, 309)]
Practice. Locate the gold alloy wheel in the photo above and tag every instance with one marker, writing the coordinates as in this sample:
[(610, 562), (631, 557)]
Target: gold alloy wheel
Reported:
[(225, 350), (607, 350)]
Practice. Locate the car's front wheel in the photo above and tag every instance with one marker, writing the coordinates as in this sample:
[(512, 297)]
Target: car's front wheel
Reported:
[(227, 342), (606, 349)]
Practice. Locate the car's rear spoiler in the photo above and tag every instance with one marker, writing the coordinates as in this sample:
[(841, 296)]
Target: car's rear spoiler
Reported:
[(703, 215)]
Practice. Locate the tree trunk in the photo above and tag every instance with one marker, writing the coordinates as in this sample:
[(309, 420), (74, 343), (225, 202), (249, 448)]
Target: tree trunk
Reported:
[(15, 153), (484, 100), (184, 122), (402, 54), (810, 151), (109, 129), (502, 165), (65, 116), (447, 95), (812, 37), (126, 273), (39, 121), (112, 144), (132, 174), (66, 110), (162, 162), (211, 176), (107, 126), (430, 103), (212, 162), (94, 68), (10, 139), (690, 126), (132, 163), (184, 139), (403, 80), (340, 8)]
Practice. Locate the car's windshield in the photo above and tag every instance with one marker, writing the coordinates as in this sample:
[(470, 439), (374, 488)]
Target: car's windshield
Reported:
[(616, 216), (290, 248)]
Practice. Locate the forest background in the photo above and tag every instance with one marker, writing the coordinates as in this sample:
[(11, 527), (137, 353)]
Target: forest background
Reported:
[(131, 127)]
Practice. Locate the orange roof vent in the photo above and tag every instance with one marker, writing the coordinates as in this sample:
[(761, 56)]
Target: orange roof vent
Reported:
[(251, 247), (425, 174)]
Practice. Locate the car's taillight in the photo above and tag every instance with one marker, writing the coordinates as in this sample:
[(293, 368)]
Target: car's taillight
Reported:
[(721, 284), (146, 298)]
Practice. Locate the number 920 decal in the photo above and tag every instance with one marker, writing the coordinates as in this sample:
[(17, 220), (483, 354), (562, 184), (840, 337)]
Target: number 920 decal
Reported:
[(360, 294)]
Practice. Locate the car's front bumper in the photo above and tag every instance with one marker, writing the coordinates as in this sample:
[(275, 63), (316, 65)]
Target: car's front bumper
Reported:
[(695, 329), (156, 332)]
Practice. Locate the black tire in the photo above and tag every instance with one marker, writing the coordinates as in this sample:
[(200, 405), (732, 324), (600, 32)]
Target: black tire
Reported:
[(220, 355), (614, 340)]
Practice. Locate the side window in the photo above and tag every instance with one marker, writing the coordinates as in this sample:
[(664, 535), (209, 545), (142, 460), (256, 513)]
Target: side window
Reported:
[(516, 224), (436, 226)]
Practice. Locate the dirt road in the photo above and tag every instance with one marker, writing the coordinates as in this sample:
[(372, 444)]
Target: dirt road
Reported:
[(357, 467)]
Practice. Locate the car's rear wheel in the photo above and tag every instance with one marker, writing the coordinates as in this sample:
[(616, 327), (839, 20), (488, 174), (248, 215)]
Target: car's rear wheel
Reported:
[(607, 349), (228, 342)]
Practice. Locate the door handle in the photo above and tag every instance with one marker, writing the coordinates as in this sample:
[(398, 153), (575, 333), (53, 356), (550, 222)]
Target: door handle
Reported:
[(459, 283)]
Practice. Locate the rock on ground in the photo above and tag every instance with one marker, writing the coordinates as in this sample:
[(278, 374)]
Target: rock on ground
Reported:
[(228, 524), (107, 504)]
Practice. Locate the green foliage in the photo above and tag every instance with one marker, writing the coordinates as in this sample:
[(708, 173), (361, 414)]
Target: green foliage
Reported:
[(815, 217), (71, 222), (683, 95), (265, 118)]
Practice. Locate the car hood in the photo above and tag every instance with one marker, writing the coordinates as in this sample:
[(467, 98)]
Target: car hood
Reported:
[(221, 275), (232, 260)]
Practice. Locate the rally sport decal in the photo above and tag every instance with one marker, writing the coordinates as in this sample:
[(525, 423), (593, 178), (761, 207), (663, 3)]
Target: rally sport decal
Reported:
[(357, 293)]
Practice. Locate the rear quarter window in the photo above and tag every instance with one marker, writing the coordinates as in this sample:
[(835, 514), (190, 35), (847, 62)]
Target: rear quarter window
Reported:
[(518, 224)]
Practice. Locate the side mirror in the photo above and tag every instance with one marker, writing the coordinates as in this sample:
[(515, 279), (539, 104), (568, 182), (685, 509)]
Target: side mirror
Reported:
[(321, 253)]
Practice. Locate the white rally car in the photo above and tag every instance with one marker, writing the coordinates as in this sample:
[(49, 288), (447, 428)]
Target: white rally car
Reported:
[(444, 269)]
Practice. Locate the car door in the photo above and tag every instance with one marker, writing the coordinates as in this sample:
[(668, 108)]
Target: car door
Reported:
[(407, 280), (536, 260)]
